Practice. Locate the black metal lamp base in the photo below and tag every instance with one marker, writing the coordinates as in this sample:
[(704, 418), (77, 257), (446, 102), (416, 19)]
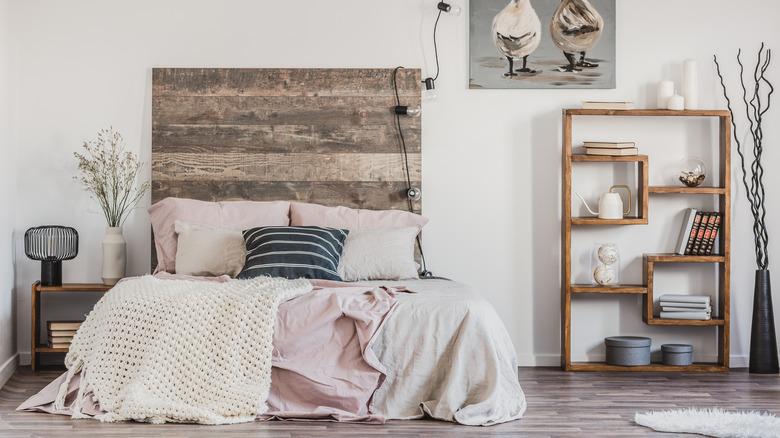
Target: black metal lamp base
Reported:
[(51, 273)]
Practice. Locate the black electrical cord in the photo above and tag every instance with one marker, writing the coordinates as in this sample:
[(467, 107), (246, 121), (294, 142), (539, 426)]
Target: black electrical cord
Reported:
[(425, 272), (435, 46)]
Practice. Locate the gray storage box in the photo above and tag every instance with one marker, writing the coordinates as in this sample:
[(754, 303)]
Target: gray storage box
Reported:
[(630, 351), (677, 354)]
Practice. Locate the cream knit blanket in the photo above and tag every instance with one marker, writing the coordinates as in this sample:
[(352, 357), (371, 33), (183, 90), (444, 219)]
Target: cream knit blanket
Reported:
[(179, 351)]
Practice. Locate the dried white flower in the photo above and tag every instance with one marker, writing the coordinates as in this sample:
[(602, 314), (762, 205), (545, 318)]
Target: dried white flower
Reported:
[(109, 173)]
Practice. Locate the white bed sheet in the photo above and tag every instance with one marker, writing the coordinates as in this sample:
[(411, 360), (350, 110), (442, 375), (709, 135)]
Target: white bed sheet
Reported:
[(448, 355)]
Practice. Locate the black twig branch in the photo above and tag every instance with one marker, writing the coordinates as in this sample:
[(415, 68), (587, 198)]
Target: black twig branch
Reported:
[(756, 104)]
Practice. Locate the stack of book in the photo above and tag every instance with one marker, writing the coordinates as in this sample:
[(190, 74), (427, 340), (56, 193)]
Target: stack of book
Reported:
[(610, 148), (686, 307), (61, 332), (698, 232)]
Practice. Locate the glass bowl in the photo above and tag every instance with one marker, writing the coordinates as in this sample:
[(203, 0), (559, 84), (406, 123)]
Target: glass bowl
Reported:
[(691, 172)]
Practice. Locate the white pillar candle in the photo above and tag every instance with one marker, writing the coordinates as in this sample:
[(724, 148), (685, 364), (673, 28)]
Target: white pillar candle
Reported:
[(665, 91), (690, 84), (676, 103)]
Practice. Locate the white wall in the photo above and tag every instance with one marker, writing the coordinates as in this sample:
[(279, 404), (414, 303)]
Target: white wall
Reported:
[(8, 355), (491, 158)]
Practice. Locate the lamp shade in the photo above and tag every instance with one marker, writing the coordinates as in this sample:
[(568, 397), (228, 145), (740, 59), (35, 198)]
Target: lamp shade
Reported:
[(51, 244)]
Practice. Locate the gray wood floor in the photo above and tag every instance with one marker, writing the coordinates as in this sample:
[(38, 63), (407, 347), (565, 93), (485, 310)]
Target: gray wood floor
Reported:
[(560, 404)]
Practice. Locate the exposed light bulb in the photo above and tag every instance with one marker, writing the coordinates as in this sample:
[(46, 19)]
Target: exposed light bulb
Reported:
[(414, 193), (411, 111), (453, 10), (430, 90)]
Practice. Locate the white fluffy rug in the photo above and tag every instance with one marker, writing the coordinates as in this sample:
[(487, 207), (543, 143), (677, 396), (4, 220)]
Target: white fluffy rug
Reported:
[(712, 422)]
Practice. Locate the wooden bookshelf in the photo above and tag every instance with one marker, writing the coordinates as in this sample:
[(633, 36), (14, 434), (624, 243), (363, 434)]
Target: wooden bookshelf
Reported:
[(721, 320)]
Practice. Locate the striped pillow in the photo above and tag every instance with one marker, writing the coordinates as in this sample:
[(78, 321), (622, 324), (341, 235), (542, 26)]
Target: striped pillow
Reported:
[(293, 252)]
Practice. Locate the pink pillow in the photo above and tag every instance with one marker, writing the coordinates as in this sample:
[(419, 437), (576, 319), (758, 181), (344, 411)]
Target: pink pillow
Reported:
[(227, 214), (302, 214)]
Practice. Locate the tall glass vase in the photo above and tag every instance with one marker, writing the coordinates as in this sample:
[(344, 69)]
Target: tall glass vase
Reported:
[(114, 256), (763, 341)]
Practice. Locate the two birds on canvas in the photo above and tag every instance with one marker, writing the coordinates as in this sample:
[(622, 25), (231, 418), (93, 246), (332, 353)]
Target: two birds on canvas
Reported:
[(575, 28)]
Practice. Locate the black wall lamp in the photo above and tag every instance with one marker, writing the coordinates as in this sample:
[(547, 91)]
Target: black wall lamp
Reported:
[(430, 87)]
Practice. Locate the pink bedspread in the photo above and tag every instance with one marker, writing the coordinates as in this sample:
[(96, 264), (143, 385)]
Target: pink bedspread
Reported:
[(323, 366)]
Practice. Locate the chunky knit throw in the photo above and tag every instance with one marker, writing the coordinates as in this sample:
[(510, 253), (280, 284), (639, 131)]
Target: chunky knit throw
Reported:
[(179, 351)]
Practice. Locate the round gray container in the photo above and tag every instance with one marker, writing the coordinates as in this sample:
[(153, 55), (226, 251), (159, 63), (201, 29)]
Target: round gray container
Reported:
[(677, 354), (629, 351)]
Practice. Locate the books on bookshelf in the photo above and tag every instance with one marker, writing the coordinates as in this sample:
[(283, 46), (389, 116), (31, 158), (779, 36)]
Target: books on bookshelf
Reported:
[(61, 333), (608, 105), (611, 151), (609, 144), (698, 232), (698, 307)]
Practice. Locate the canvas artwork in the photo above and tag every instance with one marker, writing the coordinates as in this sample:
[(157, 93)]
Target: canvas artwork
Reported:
[(542, 44)]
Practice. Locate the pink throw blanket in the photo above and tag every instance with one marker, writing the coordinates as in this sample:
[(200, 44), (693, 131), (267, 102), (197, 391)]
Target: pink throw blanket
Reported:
[(323, 366)]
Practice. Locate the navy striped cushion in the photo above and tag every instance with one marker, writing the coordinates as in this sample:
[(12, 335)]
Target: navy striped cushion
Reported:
[(293, 252)]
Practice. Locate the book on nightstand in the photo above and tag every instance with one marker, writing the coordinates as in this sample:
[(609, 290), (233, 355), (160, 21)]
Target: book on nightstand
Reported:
[(608, 105), (60, 333), (63, 325)]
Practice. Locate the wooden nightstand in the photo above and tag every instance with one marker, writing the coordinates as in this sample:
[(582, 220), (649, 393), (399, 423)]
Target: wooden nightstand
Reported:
[(36, 348)]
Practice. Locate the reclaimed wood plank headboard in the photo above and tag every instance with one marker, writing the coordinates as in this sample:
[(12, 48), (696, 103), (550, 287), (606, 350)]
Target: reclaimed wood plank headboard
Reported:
[(325, 136)]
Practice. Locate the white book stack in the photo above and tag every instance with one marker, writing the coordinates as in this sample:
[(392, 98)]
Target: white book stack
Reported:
[(686, 307)]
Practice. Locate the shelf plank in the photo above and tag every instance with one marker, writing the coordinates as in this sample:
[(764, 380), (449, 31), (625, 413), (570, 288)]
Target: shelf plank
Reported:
[(597, 221), (646, 112), (75, 287), (676, 258), (688, 190), (617, 289), (46, 349), (610, 158), (684, 322), (601, 366)]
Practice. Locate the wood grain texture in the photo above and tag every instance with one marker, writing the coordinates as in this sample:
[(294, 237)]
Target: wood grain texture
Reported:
[(325, 136), (560, 404)]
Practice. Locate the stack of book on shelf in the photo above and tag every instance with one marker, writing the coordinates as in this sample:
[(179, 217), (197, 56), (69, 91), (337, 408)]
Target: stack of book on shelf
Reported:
[(610, 148), (698, 232), (61, 333), (608, 105), (686, 307)]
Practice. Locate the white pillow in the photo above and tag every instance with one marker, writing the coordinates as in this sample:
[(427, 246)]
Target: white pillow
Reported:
[(204, 250), (378, 254)]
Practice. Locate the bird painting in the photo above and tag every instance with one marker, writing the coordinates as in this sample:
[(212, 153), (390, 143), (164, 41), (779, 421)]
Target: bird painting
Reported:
[(576, 27), (517, 32)]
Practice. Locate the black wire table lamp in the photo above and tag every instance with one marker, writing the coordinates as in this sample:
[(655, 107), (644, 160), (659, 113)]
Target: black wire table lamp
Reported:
[(51, 244)]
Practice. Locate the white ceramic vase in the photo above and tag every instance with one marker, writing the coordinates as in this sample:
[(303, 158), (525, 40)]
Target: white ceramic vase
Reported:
[(114, 256)]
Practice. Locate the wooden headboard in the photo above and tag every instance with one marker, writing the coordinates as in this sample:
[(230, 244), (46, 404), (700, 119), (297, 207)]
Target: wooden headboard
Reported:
[(326, 136)]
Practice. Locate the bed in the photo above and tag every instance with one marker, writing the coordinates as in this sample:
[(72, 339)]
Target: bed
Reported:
[(361, 339)]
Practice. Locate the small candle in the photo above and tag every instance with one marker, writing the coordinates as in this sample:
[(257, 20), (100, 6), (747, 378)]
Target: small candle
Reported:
[(665, 91), (690, 84), (676, 103)]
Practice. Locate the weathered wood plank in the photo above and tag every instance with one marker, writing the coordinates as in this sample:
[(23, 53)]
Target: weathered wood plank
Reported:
[(275, 110), (284, 167), (284, 138), (387, 195), (284, 82)]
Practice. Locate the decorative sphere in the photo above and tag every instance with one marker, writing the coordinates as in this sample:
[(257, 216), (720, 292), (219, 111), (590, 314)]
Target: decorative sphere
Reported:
[(604, 274), (691, 172), (608, 253)]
